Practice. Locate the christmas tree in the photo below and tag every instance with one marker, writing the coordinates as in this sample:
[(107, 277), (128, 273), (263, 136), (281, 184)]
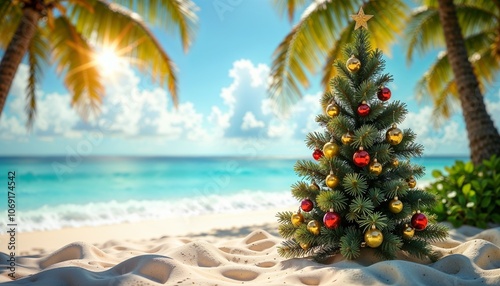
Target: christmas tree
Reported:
[(361, 192)]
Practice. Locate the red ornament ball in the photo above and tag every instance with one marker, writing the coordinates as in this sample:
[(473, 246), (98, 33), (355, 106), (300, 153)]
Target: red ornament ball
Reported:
[(331, 220), (361, 158), (307, 205), (419, 221), (384, 94), (317, 154), (363, 109)]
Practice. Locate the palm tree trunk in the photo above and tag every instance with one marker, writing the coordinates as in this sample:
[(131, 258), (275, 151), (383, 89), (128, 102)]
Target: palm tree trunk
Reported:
[(16, 50), (484, 139)]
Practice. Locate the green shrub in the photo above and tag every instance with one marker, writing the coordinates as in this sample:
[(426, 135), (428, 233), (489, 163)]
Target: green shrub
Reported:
[(468, 194)]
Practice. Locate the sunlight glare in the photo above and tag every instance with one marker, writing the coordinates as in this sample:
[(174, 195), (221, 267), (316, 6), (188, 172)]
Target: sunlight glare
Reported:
[(108, 61)]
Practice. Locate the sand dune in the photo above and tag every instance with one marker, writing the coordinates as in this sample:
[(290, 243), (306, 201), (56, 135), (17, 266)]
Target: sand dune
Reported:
[(252, 260)]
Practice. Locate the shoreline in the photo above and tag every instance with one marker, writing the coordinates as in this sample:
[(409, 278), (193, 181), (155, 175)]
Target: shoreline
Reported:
[(36, 242)]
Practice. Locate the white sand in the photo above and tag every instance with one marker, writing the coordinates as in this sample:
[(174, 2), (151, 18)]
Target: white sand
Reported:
[(230, 250)]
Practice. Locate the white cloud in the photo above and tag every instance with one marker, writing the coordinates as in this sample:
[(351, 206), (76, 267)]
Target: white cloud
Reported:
[(245, 117), (493, 108), (250, 122), (126, 111), (250, 113), (53, 114), (450, 138)]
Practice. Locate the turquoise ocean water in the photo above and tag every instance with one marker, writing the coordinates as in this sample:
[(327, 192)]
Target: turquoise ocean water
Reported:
[(57, 192)]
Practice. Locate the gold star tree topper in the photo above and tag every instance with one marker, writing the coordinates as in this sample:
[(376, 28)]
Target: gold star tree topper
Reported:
[(361, 19)]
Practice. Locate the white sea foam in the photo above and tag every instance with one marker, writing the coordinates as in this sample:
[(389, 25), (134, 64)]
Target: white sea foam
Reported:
[(113, 212)]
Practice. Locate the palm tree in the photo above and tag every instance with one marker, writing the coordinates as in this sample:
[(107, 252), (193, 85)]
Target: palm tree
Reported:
[(465, 69), (480, 22), (324, 29), (67, 33), (319, 36)]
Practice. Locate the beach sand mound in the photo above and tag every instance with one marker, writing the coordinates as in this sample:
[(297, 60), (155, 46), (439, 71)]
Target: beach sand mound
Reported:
[(469, 258)]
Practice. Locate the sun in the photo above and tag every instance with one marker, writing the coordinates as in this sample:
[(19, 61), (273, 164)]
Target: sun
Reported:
[(108, 61)]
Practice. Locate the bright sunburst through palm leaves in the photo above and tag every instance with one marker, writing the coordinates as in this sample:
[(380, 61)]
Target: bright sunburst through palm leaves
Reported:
[(108, 61)]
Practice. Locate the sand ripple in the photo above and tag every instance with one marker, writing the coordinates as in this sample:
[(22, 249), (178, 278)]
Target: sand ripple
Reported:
[(251, 260)]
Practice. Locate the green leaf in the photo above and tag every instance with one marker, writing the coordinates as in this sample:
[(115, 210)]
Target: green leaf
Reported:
[(472, 196), (495, 218), (466, 189), (461, 180), (497, 202), (469, 167), (454, 209), (482, 224), (461, 200), (476, 185), (437, 174), (485, 202), (455, 222)]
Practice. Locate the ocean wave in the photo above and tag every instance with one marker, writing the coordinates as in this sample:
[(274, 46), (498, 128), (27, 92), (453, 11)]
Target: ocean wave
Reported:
[(50, 217), (114, 212)]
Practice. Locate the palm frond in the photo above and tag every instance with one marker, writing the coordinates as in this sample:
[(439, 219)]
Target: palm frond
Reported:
[(288, 6), (474, 19), (421, 33), (74, 58), (170, 14), (10, 15), (445, 103), (329, 70), (303, 48), (388, 23), (126, 33), (486, 66), (438, 84), (37, 56), (317, 34)]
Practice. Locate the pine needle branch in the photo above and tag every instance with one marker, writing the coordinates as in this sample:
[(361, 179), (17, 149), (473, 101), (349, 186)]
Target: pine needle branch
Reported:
[(361, 206), (365, 136), (376, 196), (301, 190), (377, 219), (354, 184), (309, 170), (290, 249), (350, 243), (433, 233), (331, 200), (286, 231)]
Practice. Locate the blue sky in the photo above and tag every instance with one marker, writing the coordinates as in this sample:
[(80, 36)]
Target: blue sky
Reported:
[(223, 106)]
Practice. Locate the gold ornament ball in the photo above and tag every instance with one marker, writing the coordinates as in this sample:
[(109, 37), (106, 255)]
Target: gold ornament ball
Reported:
[(348, 138), (313, 227), (395, 162), (394, 135), (411, 182), (314, 187), (304, 246), (375, 167), (408, 232), (331, 181), (330, 150), (332, 110), (374, 238), (353, 64), (395, 206), (297, 219)]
